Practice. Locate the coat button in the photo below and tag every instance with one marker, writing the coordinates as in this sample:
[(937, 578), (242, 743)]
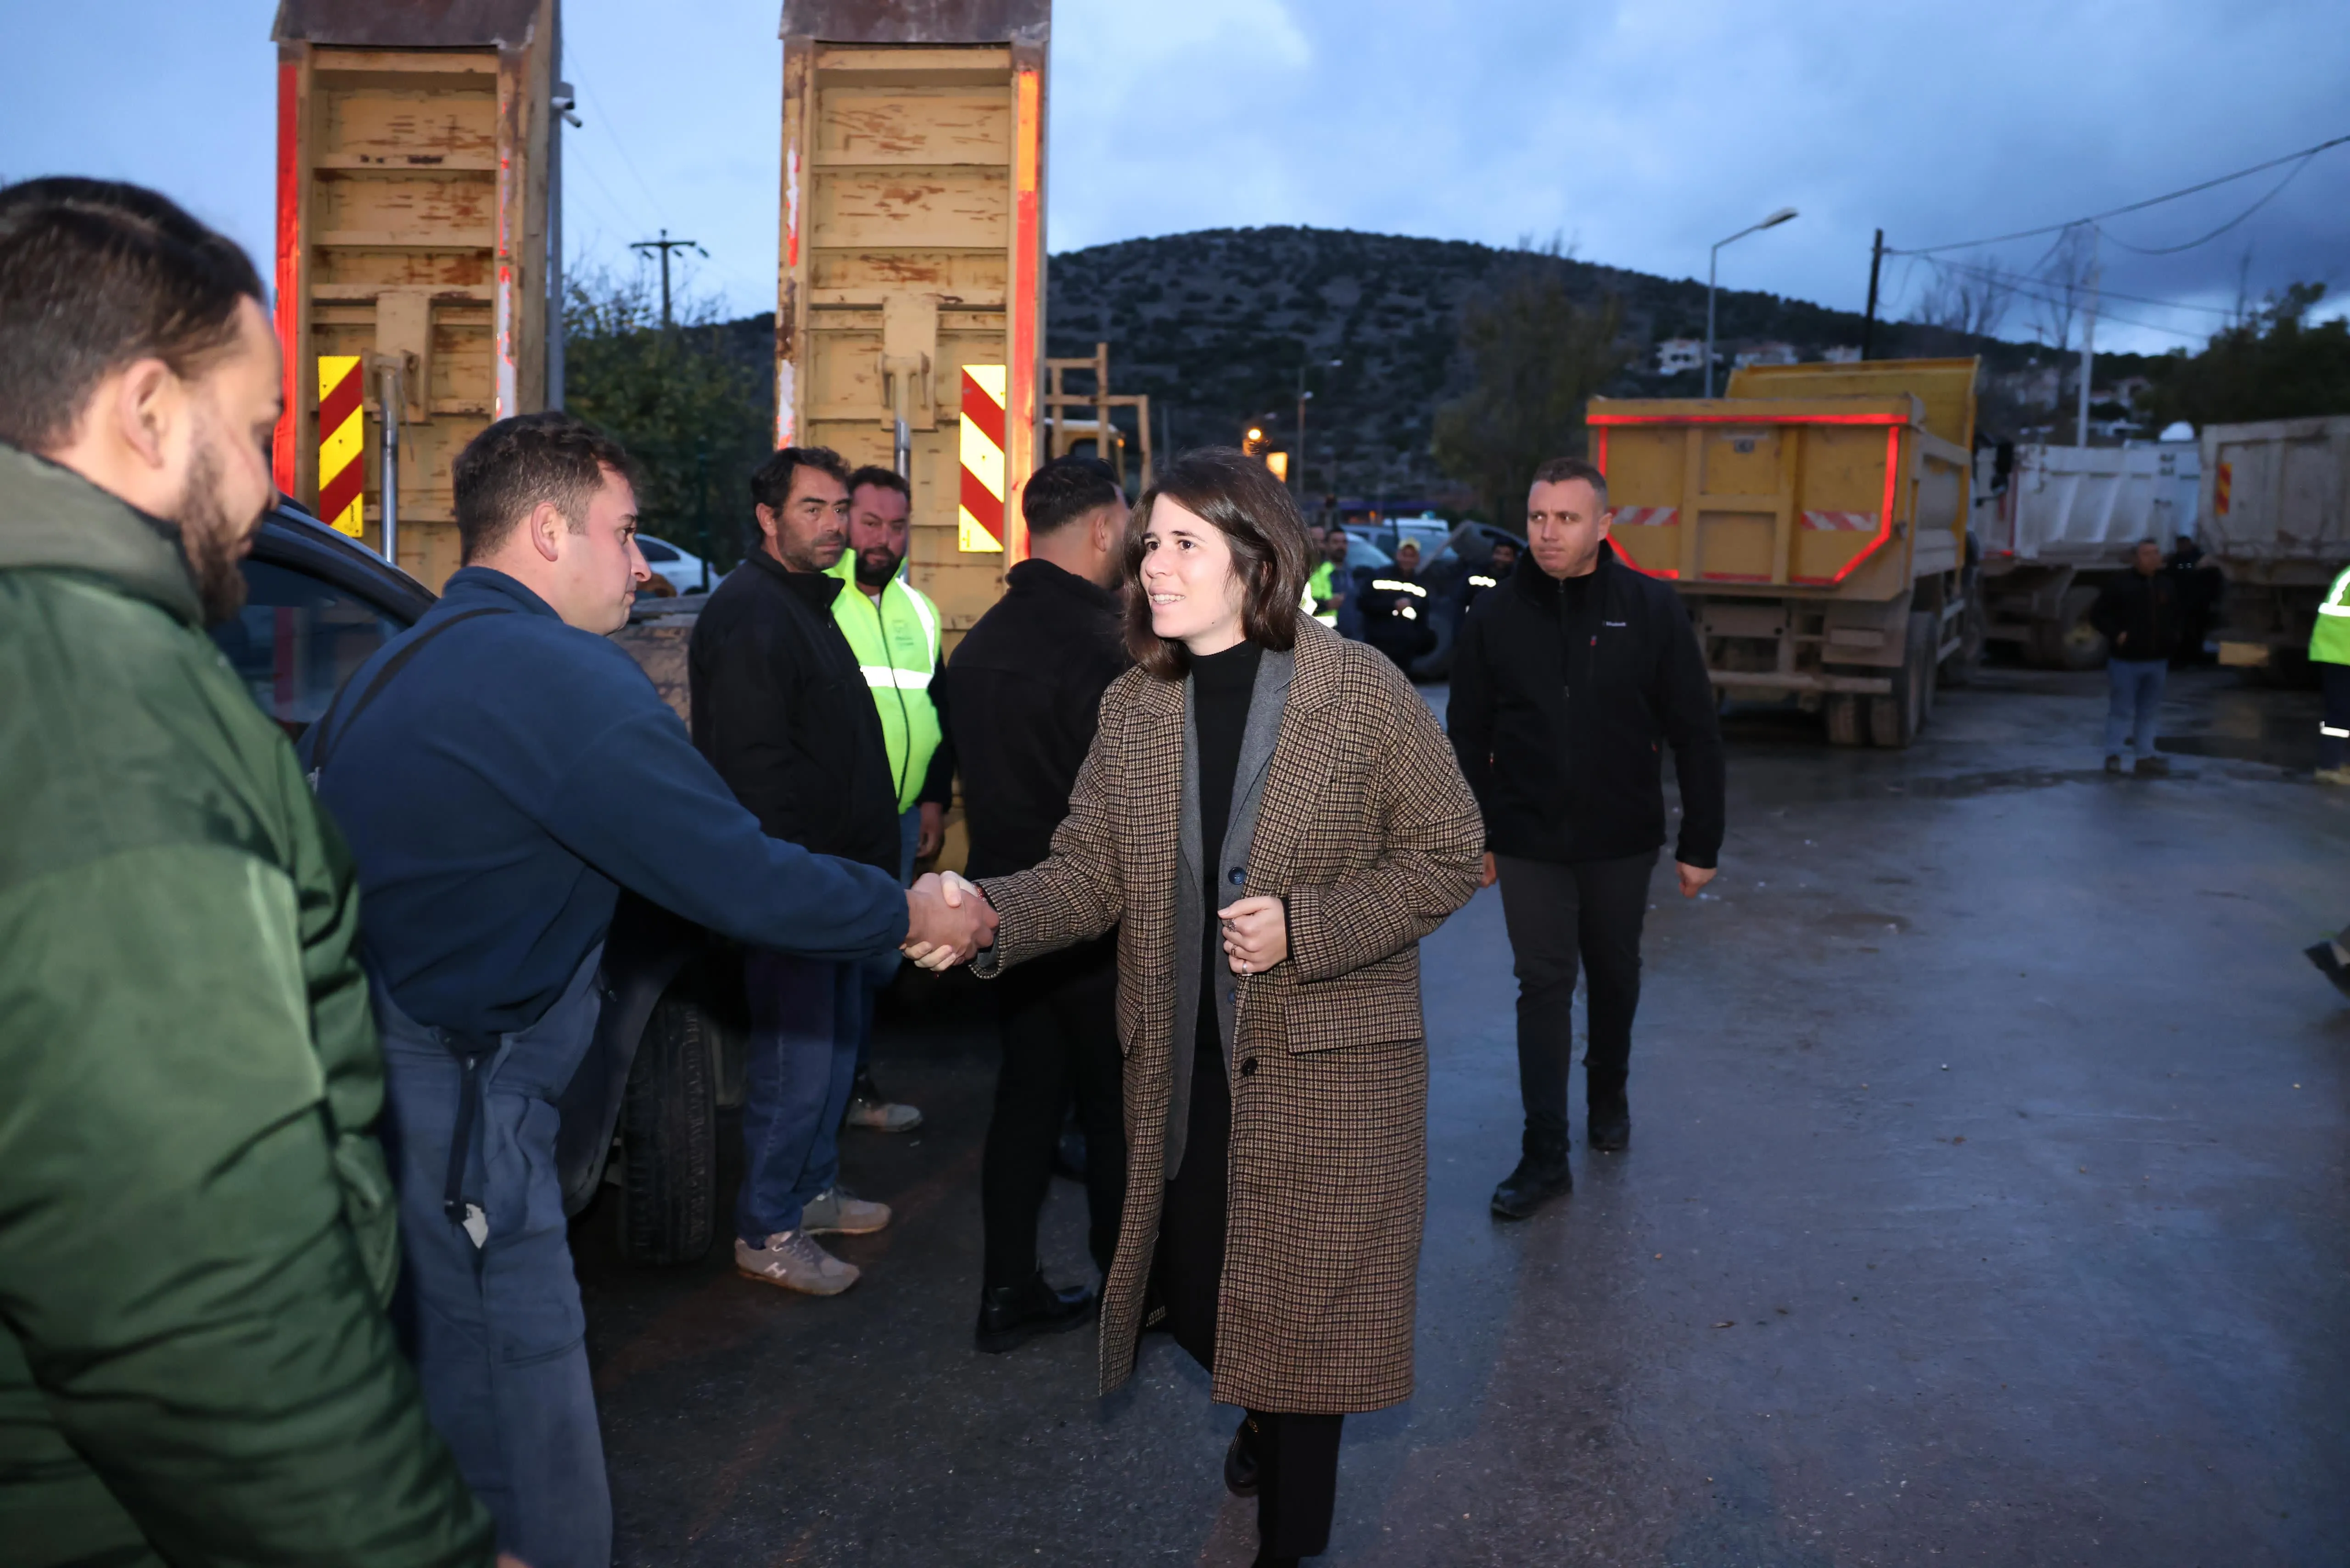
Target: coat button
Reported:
[(1248, 1067), (1236, 876), (1233, 995)]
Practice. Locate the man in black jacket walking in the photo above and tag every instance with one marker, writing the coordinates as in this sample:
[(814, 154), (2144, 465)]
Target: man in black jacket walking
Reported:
[(1018, 702), (782, 711), (1567, 680)]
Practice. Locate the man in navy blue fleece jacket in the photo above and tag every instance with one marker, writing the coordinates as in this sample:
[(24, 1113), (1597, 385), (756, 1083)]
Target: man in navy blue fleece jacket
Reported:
[(501, 771)]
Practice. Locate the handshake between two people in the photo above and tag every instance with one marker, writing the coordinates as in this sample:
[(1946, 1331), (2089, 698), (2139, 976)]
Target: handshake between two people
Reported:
[(947, 920)]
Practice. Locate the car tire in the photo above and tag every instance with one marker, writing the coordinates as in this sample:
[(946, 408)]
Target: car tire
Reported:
[(1894, 719), (669, 1131), (2073, 642)]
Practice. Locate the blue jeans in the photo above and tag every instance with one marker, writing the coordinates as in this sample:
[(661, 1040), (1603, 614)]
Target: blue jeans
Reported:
[(2136, 702), (882, 967), (806, 1016), (496, 1332)]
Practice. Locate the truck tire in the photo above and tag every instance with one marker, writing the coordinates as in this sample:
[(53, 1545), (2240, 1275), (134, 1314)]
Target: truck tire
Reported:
[(1842, 711), (2072, 643), (669, 1131), (1894, 719)]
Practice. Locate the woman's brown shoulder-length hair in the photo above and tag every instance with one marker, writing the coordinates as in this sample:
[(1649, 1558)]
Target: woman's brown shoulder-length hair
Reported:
[(1224, 486)]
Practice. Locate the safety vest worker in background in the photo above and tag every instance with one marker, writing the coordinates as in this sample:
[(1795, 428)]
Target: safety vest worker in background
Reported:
[(2329, 650), (893, 628)]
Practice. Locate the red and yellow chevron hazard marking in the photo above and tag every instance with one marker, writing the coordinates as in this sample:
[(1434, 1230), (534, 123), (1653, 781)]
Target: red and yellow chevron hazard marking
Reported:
[(2221, 483), (979, 519), (342, 440)]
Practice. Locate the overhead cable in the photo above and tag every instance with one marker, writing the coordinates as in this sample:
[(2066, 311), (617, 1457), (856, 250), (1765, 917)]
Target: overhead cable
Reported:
[(2300, 157)]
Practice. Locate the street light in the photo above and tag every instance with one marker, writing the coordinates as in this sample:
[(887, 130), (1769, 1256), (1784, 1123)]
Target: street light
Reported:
[(1772, 221)]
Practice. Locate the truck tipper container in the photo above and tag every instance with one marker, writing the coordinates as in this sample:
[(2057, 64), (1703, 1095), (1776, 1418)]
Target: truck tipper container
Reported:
[(2276, 511), (2063, 526), (1815, 523), (412, 246), (910, 288)]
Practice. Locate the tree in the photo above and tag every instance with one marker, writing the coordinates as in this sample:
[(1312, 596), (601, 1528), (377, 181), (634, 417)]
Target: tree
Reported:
[(695, 415), (1536, 356), (1970, 300), (2274, 366)]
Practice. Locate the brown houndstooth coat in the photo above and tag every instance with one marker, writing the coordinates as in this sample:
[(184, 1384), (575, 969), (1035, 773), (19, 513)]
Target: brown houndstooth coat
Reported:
[(1369, 834)]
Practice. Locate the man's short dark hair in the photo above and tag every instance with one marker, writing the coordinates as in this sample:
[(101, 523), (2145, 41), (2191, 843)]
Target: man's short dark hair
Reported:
[(508, 469), (886, 478), (1065, 490), (1559, 469), (95, 275), (771, 486)]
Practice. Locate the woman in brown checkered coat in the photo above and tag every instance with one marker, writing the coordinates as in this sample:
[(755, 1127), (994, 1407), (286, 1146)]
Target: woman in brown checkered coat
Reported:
[(1271, 820)]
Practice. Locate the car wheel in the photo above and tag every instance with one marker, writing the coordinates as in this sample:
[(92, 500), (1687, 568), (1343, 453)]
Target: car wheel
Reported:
[(669, 1129)]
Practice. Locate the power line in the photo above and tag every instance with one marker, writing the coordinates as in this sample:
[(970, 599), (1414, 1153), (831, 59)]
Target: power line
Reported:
[(2025, 280), (2302, 156), (2290, 174)]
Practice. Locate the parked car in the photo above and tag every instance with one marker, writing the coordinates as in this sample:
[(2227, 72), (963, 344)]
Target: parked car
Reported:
[(642, 1109), (684, 571)]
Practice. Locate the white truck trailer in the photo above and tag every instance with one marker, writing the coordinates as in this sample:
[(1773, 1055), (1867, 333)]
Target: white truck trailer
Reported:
[(2276, 497)]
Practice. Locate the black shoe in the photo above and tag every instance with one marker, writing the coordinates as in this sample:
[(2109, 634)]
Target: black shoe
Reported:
[(2332, 968), (1541, 1175), (1240, 1464), (2155, 767), (1267, 1560), (2114, 766), (1608, 1129), (1011, 1315)]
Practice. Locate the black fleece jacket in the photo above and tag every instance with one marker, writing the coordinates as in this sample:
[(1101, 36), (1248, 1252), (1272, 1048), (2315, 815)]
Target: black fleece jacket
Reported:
[(1561, 737), (782, 712), (1018, 703)]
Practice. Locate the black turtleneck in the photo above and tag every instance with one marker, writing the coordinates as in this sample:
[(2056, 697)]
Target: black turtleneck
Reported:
[(1221, 687)]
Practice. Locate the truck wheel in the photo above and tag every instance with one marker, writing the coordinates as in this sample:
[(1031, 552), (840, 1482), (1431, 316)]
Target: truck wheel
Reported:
[(2073, 642), (1894, 719), (1842, 711), (668, 1129)]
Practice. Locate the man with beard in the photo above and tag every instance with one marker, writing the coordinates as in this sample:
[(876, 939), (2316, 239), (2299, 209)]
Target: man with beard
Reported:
[(784, 713), (196, 1232), (893, 628)]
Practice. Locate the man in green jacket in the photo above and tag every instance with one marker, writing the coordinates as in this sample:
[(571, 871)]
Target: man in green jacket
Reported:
[(196, 1231)]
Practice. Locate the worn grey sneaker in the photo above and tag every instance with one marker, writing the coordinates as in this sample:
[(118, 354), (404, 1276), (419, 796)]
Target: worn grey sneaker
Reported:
[(792, 1260), (868, 1110), (836, 1211)]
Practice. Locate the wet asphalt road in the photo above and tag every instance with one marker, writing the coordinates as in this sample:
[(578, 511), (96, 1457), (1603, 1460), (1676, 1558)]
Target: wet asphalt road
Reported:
[(1985, 1205)]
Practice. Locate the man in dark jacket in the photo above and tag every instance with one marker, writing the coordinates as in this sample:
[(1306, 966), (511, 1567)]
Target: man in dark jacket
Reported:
[(196, 1233), (504, 769), (1019, 700), (2139, 615), (1567, 679), (782, 711)]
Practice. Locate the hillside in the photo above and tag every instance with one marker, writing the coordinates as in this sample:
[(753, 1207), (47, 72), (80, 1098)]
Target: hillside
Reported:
[(1214, 326)]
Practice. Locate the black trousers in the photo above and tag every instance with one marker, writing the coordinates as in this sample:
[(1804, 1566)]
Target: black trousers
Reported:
[(2334, 730), (1059, 1033), (1296, 1456), (1559, 913)]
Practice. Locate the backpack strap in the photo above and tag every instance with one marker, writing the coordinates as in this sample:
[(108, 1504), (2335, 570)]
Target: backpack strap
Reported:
[(330, 734)]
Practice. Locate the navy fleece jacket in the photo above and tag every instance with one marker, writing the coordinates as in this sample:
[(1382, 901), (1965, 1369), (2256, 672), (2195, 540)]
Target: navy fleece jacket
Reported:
[(511, 778)]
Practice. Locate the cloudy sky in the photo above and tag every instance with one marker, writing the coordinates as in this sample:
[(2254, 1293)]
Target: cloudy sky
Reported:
[(1639, 133)]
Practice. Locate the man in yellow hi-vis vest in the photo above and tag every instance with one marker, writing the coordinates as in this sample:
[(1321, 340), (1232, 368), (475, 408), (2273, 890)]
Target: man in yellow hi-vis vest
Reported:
[(2329, 650), (894, 630)]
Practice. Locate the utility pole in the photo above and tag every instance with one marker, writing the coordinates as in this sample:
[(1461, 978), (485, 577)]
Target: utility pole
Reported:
[(1713, 265), (2089, 336), (1868, 325), (561, 108), (1302, 396), (665, 245)]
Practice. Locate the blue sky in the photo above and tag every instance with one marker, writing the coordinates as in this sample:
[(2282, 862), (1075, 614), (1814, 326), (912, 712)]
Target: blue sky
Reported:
[(1638, 133)]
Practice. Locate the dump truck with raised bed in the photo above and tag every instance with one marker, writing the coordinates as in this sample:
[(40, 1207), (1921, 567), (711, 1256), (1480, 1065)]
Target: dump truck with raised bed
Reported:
[(2276, 522), (1815, 523), (909, 334), (413, 252)]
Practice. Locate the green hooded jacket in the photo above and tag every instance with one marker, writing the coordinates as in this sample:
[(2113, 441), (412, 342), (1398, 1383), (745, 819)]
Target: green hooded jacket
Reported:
[(197, 1228)]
